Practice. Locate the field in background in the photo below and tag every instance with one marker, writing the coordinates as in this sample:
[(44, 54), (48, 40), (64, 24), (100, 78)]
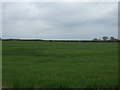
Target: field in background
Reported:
[(35, 64)]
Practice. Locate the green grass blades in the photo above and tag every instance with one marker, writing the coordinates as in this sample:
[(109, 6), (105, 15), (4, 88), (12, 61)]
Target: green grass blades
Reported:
[(35, 64)]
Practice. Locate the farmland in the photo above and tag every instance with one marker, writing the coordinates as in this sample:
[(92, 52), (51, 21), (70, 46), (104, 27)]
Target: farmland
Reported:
[(37, 64)]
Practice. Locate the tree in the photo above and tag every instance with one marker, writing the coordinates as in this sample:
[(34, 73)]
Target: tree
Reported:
[(112, 39), (105, 38), (99, 39), (95, 39)]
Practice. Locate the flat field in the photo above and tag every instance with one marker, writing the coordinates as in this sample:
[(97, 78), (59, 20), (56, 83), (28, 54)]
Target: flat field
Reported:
[(35, 64)]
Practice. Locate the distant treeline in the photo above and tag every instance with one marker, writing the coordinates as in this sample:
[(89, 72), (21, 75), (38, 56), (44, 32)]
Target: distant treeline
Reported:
[(104, 39), (59, 40)]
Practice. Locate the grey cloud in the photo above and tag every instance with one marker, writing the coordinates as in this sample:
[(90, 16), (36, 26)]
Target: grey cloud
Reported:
[(59, 20)]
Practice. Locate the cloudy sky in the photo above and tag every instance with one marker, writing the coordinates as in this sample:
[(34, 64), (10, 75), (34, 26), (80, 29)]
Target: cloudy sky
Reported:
[(59, 20)]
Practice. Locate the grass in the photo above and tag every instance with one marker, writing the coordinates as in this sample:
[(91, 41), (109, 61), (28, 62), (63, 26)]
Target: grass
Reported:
[(33, 64)]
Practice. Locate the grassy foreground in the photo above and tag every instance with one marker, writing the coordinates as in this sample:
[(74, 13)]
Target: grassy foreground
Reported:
[(33, 64)]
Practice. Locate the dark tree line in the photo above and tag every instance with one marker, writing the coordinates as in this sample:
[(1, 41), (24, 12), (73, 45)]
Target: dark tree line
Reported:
[(105, 38)]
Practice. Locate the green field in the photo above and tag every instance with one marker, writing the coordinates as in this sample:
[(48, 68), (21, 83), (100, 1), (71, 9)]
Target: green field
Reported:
[(35, 64)]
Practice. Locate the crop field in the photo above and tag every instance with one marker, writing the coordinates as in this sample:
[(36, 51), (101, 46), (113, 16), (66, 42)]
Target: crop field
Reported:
[(37, 64)]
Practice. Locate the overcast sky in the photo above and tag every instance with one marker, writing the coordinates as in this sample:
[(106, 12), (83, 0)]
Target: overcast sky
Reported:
[(60, 20)]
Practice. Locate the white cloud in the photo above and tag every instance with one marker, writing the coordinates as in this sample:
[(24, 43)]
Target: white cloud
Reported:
[(60, 1), (59, 20)]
